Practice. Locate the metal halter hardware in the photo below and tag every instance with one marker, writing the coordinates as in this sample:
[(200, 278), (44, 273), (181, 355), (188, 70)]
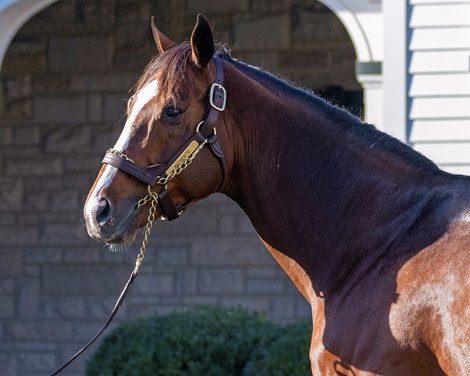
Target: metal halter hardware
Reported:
[(161, 174), (205, 134), (212, 96)]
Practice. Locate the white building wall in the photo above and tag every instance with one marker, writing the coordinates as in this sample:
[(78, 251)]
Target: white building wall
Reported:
[(363, 20), (395, 67), (439, 81)]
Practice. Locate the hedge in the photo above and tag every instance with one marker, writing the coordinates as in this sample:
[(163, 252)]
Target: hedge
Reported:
[(287, 355), (203, 341)]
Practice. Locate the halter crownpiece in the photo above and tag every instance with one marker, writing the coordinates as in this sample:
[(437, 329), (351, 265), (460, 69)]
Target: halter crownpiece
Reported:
[(205, 134)]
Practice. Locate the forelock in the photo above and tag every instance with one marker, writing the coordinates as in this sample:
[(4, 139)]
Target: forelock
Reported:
[(170, 70)]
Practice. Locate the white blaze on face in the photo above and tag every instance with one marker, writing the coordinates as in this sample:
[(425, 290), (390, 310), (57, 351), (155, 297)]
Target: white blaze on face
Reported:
[(144, 96)]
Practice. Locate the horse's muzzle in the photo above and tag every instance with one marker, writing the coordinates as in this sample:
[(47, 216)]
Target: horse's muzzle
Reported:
[(109, 223)]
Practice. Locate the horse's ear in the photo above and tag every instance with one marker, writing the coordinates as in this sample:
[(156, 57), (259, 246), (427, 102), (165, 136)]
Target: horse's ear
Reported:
[(162, 41), (202, 42)]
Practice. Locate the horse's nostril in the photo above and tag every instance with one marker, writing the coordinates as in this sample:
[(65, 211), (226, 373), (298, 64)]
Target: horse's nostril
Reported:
[(103, 211)]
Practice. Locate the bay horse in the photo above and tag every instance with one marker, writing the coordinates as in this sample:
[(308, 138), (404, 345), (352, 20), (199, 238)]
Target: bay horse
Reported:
[(374, 235)]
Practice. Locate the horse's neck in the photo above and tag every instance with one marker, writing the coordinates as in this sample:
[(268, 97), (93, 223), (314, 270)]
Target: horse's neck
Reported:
[(301, 181)]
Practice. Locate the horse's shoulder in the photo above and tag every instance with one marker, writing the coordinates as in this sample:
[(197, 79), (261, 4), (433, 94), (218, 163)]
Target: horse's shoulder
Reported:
[(433, 290), (438, 265)]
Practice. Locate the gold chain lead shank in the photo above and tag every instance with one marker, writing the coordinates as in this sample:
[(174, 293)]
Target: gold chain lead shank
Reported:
[(153, 198)]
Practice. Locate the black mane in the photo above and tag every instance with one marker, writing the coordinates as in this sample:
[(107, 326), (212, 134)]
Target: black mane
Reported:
[(338, 116)]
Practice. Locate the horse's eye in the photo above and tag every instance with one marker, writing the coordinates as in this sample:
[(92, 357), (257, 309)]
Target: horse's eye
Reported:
[(171, 112)]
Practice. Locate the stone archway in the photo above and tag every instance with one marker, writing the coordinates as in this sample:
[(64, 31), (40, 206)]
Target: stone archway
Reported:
[(363, 19), (13, 15), (304, 42)]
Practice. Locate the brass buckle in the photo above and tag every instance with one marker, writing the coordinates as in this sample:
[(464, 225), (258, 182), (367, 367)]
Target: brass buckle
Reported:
[(213, 92)]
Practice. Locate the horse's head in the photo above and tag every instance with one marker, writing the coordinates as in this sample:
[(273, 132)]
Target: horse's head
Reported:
[(164, 131)]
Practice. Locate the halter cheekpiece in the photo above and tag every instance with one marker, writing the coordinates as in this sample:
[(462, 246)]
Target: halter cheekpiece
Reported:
[(205, 133)]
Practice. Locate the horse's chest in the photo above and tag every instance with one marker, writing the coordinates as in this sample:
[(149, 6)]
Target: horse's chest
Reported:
[(354, 331), (358, 332), (359, 342)]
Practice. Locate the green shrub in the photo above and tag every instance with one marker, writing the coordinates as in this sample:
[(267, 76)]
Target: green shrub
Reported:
[(205, 341), (287, 355)]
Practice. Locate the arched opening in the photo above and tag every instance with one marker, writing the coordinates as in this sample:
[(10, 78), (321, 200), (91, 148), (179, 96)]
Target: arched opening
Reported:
[(13, 15), (305, 43)]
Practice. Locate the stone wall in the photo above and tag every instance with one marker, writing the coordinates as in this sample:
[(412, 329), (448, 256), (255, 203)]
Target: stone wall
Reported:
[(63, 88)]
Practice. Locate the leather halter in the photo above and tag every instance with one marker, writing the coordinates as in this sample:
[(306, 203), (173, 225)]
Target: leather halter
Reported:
[(205, 134)]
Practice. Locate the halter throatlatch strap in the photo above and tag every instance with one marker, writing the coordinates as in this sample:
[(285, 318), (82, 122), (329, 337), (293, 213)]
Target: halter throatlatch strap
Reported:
[(205, 134)]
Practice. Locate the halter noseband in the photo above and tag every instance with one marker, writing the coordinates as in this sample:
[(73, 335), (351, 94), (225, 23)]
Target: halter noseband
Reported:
[(205, 134)]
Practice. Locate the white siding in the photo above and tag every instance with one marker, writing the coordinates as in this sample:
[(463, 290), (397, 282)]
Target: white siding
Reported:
[(447, 130), (440, 15), (440, 2), (446, 153), (440, 61), (440, 38), (440, 108), (439, 82)]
